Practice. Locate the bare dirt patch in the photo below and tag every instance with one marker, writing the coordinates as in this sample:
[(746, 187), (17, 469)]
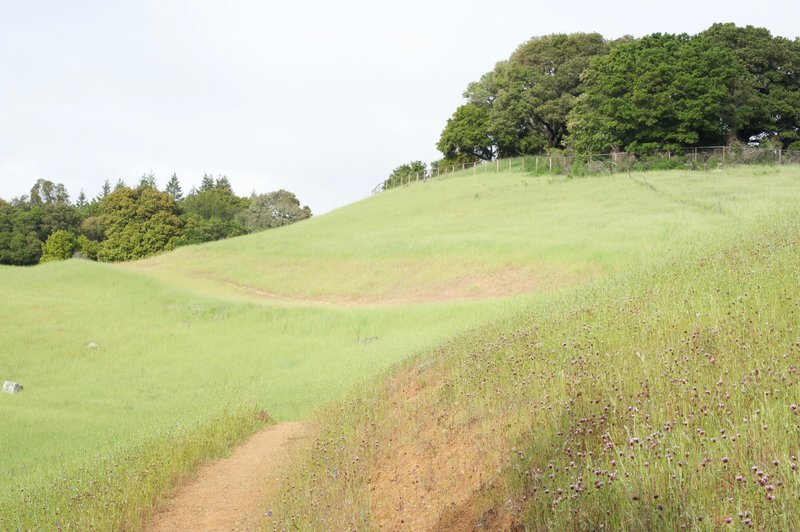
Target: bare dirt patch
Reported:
[(475, 285), (437, 470), (229, 494)]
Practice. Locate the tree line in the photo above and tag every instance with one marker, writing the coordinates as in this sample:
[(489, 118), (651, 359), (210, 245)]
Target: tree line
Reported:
[(582, 93), (126, 223)]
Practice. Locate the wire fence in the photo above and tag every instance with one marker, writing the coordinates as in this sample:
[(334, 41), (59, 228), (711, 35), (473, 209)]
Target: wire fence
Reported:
[(705, 158)]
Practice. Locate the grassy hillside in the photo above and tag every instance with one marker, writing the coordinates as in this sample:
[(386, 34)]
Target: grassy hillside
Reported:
[(478, 236), (195, 344), (663, 398)]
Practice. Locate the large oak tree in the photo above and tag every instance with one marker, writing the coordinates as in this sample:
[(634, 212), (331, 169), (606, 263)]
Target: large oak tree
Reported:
[(660, 91)]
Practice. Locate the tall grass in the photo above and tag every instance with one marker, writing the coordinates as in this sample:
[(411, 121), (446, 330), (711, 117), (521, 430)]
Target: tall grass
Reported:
[(185, 334), (165, 361), (420, 240), (662, 398), (119, 488)]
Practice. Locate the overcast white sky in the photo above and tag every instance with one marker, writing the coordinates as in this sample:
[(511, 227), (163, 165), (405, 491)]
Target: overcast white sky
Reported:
[(323, 98)]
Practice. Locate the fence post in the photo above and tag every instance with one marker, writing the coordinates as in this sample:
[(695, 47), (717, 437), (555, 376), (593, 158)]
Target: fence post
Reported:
[(550, 162), (474, 168), (497, 166), (723, 155), (523, 163), (780, 157)]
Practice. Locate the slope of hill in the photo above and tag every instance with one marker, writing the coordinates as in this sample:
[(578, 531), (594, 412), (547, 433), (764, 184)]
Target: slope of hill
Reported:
[(661, 398), (192, 346), (477, 236)]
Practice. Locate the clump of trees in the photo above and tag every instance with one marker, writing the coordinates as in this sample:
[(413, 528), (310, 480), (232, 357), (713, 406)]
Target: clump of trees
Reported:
[(274, 209), (406, 173), (522, 105), (583, 93), (126, 223)]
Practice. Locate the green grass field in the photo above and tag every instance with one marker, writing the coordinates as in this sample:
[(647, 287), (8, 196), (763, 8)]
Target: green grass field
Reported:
[(193, 345)]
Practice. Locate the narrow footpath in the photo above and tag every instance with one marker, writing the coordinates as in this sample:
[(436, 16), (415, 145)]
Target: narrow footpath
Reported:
[(230, 494)]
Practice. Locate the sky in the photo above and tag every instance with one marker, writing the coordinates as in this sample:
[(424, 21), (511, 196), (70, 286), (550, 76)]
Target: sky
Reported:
[(322, 98)]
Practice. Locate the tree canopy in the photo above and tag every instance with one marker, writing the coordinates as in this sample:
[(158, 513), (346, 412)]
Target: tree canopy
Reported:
[(405, 173), (773, 66), (129, 223), (587, 94), (522, 105), (137, 223), (274, 209), (538, 86), (659, 91)]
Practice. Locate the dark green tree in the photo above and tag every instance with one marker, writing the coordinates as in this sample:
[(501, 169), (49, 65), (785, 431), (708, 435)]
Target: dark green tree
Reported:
[(274, 210), (46, 192), (467, 134), (222, 183), (507, 132), (207, 183), (49, 209), (148, 180), (212, 214), (60, 245), (173, 188), (86, 248), (657, 92), (538, 86), (104, 191), (81, 201), (19, 243), (138, 223), (405, 173), (773, 64)]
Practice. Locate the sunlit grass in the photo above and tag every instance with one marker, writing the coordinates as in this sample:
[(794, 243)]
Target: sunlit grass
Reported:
[(427, 237), (664, 397), (288, 320)]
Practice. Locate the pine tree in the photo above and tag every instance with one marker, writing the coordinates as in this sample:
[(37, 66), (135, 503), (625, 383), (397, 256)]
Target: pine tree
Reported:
[(173, 188), (105, 191), (207, 183), (148, 180), (224, 184)]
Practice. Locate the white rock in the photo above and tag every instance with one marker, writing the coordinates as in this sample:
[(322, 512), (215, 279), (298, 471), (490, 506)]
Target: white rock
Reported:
[(91, 345), (11, 387)]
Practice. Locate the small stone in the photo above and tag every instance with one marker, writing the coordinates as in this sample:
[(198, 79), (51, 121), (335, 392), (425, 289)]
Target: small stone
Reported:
[(91, 345), (12, 387)]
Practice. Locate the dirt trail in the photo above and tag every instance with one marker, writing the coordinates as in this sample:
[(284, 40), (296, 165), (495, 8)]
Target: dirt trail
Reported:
[(229, 494), (435, 476)]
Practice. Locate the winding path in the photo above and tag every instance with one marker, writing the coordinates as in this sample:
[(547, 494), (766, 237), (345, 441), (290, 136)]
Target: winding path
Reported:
[(230, 494)]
